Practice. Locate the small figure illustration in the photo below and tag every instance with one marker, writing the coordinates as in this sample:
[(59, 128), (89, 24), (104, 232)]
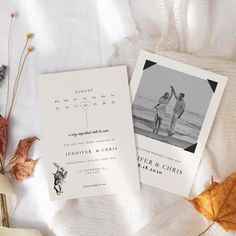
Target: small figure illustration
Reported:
[(59, 177)]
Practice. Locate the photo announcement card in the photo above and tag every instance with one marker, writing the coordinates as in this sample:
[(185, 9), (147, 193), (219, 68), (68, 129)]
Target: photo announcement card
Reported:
[(174, 106), (89, 146)]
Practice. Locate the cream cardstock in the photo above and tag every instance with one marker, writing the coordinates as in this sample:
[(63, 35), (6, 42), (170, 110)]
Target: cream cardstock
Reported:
[(169, 154), (7, 189), (89, 145), (18, 232)]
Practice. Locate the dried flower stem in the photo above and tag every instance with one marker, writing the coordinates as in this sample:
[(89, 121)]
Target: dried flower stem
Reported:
[(25, 52), (17, 81), (5, 167), (5, 215), (3, 200), (3, 203), (1, 165), (19, 65), (9, 60), (207, 228)]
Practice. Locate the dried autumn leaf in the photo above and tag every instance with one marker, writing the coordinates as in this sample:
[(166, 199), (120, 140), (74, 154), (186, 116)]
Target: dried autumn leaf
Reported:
[(22, 171), (218, 203), (3, 136), (22, 167), (21, 153)]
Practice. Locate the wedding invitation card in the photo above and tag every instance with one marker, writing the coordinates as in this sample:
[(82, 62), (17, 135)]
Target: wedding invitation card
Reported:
[(89, 146), (174, 106)]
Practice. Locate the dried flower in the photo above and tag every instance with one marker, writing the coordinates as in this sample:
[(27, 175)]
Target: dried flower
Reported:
[(29, 36), (22, 167), (3, 72), (21, 153), (22, 171), (30, 49), (19, 167)]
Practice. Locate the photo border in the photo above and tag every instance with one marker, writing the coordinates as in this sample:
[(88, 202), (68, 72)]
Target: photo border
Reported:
[(212, 84), (186, 157)]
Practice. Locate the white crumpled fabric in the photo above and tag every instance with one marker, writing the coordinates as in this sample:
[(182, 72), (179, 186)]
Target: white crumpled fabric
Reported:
[(79, 34)]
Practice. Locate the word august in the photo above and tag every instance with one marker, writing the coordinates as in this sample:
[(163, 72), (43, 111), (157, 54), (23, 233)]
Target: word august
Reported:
[(164, 167)]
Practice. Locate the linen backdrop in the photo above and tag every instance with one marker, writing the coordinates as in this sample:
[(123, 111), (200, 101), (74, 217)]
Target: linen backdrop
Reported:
[(70, 35)]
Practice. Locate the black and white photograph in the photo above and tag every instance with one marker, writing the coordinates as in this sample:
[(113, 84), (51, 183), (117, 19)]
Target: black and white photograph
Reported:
[(170, 106)]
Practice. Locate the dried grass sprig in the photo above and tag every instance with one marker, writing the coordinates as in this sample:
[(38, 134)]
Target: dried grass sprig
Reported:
[(12, 15), (21, 64), (18, 169), (17, 81), (28, 37)]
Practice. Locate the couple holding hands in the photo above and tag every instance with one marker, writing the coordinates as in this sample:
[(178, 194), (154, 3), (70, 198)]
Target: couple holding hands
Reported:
[(161, 110)]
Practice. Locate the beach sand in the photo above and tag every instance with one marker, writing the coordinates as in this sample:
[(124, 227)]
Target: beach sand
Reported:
[(166, 139)]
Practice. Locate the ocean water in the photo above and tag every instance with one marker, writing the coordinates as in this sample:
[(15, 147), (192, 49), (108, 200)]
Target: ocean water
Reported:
[(187, 127)]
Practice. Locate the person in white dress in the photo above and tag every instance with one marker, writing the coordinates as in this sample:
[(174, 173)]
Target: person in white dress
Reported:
[(178, 110), (161, 110)]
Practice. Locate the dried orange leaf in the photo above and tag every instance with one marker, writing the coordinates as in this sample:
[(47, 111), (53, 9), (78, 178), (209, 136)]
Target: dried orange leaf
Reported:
[(3, 136), (22, 171), (21, 153), (21, 166), (218, 203)]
